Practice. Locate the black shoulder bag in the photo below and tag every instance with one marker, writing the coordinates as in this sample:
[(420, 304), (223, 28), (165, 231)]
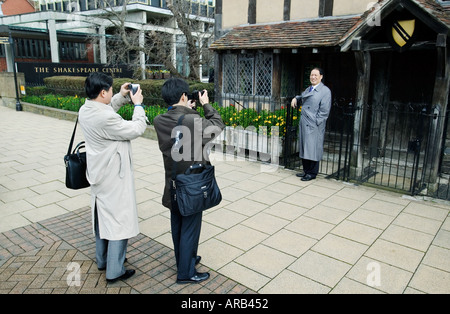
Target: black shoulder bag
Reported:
[(196, 189), (76, 165)]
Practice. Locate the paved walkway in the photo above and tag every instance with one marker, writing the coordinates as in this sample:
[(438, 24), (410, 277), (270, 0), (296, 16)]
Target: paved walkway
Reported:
[(272, 233)]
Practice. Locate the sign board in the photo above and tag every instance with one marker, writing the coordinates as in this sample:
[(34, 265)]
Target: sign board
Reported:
[(35, 72), (4, 40)]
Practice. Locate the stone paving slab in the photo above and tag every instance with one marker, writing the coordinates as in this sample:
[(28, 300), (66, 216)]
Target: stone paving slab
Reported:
[(271, 234), (57, 256)]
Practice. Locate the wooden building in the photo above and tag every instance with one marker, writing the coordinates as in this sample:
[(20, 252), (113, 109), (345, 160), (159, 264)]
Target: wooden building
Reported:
[(387, 62)]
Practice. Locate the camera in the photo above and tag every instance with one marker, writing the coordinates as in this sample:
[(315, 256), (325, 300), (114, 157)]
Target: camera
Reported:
[(133, 88), (194, 95)]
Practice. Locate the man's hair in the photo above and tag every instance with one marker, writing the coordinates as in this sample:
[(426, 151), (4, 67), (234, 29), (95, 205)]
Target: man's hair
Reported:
[(318, 69), (96, 82), (173, 89)]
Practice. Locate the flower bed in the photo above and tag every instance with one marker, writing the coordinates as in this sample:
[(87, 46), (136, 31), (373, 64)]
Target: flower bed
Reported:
[(246, 129), (231, 116)]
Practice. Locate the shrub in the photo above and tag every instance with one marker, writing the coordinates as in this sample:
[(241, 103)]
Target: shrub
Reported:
[(71, 103), (155, 105), (65, 85), (151, 89), (38, 90)]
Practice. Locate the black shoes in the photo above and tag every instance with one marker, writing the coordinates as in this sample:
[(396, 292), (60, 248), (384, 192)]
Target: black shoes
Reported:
[(197, 278), (308, 177), (128, 273), (305, 177)]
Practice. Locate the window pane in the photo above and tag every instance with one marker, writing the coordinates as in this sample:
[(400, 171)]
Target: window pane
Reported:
[(245, 74), (229, 73), (263, 75)]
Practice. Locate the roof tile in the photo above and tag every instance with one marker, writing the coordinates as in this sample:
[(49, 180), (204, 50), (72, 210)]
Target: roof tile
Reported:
[(311, 33), (318, 32)]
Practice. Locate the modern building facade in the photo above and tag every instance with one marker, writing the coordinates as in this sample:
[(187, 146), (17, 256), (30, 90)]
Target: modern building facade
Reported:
[(61, 31)]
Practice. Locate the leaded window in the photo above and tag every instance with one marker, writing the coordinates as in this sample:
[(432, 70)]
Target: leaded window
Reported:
[(263, 79), (229, 74), (245, 74), (248, 74)]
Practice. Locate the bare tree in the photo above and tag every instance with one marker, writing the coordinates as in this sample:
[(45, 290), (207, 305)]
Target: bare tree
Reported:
[(180, 9), (157, 44)]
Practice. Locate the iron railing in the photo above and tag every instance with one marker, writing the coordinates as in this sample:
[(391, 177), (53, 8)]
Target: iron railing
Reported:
[(391, 147)]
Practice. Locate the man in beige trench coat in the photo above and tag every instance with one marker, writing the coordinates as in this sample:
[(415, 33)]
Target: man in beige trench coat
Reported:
[(110, 170)]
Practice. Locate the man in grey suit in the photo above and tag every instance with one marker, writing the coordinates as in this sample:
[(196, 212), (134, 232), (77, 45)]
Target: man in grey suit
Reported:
[(316, 105)]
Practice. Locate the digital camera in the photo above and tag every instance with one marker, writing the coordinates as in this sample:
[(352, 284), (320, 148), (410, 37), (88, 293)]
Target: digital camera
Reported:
[(133, 88), (194, 95)]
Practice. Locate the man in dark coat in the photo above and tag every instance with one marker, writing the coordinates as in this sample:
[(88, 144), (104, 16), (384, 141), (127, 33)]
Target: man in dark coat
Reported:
[(316, 105), (185, 229)]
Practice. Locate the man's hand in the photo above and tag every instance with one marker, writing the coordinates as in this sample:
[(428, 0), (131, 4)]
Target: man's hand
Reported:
[(124, 89), (294, 103), (204, 99), (137, 98), (191, 104)]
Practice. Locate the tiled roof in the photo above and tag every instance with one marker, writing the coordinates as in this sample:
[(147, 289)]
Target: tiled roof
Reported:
[(439, 12), (436, 11), (309, 33), (319, 32)]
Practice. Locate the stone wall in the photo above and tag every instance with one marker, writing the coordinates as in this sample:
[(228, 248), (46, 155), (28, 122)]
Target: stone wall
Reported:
[(7, 88)]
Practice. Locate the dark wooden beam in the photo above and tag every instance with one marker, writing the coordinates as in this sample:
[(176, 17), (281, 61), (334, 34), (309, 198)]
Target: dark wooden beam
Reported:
[(252, 11), (287, 10), (439, 110), (363, 65), (326, 8), (366, 46)]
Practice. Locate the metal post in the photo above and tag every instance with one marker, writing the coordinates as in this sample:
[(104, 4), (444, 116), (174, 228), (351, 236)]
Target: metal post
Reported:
[(11, 42)]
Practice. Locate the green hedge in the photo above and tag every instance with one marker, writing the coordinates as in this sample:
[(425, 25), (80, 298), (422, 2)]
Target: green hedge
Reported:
[(71, 103), (65, 85), (153, 101), (230, 115), (151, 89), (36, 91)]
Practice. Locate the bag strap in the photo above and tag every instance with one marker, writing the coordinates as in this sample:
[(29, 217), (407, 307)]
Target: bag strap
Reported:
[(175, 140), (73, 137)]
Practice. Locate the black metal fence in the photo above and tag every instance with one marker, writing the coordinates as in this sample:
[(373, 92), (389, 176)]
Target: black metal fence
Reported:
[(393, 147), (337, 143)]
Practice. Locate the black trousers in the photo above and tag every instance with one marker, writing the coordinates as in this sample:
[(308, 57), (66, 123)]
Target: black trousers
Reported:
[(185, 236), (310, 167)]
